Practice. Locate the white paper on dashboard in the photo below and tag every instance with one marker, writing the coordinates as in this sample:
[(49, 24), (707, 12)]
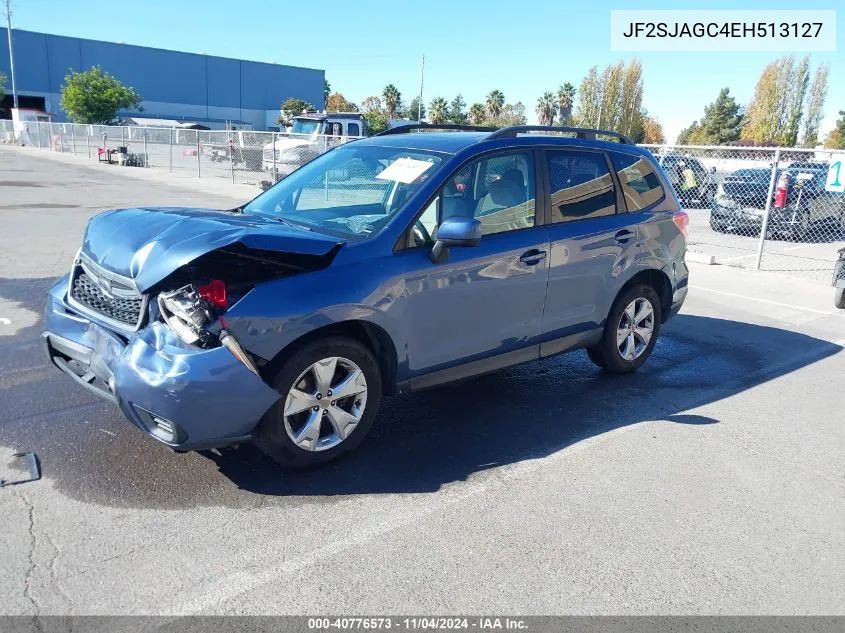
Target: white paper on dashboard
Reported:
[(405, 170)]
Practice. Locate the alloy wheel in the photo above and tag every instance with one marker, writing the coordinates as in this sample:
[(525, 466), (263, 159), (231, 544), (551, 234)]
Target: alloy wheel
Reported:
[(325, 404), (635, 329)]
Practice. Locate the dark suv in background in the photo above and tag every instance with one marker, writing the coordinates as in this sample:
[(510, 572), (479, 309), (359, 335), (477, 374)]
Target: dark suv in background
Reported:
[(740, 203), (436, 257)]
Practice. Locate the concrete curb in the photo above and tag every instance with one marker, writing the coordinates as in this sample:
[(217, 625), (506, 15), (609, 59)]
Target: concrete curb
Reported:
[(701, 258)]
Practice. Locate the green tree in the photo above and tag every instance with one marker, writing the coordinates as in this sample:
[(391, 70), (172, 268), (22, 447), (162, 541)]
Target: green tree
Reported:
[(438, 110), (546, 108), (414, 112), (631, 100), (292, 107), (2, 86), (799, 82), (457, 111), (376, 122), (371, 104), (722, 120), (836, 137), (777, 108), (692, 135), (565, 103), (815, 106), (477, 114), (327, 90), (652, 131), (95, 96), (587, 110), (338, 103), (495, 103), (392, 100)]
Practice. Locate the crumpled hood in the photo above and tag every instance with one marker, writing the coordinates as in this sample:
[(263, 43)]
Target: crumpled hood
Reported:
[(147, 244)]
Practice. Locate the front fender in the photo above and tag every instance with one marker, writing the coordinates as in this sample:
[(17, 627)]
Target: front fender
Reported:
[(276, 313)]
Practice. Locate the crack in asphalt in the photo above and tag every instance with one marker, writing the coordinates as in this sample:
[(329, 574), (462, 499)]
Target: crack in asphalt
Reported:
[(27, 581)]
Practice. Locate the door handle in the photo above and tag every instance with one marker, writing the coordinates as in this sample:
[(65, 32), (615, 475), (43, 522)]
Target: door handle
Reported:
[(532, 257), (623, 236)]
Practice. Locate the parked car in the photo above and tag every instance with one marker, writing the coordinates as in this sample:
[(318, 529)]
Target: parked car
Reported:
[(309, 136), (452, 254), (698, 196), (740, 204), (839, 280)]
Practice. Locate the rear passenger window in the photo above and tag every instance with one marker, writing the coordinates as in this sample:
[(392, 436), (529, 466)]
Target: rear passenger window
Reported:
[(581, 186), (354, 130), (640, 184)]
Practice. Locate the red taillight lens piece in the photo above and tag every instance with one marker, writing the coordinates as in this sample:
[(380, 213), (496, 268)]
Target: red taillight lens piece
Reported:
[(681, 219), (215, 293)]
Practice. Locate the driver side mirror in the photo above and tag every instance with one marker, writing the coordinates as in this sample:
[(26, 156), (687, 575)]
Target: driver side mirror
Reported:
[(455, 231)]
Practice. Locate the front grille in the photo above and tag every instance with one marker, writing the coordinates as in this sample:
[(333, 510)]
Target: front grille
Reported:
[(87, 292), (268, 155)]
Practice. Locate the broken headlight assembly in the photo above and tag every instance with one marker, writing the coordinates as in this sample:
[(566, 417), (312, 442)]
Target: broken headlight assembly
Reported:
[(190, 309)]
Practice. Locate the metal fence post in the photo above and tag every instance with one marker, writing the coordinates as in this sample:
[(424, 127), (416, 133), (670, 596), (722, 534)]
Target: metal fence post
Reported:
[(274, 139), (199, 175), (231, 147), (765, 227), (146, 156), (38, 133), (122, 137), (88, 140), (73, 138)]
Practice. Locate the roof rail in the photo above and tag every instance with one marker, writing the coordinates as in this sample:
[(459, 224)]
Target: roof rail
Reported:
[(401, 129), (580, 132)]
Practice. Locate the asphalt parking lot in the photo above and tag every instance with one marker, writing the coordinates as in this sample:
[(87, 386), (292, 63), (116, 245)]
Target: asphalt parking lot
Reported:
[(711, 482)]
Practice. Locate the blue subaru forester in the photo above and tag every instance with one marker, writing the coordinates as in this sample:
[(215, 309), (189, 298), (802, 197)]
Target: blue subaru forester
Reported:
[(390, 264)]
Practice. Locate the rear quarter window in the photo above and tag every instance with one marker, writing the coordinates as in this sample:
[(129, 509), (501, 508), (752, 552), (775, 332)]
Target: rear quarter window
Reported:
[(640, 183)]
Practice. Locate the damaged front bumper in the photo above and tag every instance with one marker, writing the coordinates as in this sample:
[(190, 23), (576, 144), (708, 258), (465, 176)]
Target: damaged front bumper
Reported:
[(187, 397)]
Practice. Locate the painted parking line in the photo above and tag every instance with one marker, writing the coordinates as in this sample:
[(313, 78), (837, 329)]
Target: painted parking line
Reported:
[(766, 301)]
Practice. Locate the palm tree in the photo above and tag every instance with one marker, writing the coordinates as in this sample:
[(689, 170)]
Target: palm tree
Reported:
[(327, 90), (477, 113), (438, 110), (392, 98), (546, 107), (565, 101), (495, 103)]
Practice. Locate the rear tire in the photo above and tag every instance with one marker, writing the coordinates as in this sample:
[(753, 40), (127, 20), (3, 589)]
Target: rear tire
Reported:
[(624, 346), (839, 298), (276, 431)]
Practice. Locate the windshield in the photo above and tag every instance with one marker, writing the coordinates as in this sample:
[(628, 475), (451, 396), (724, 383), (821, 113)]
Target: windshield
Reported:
[(351, 191), (759, 176), (306, 126)]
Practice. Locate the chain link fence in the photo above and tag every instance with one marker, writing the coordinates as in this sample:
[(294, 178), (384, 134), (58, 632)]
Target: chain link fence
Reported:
[(766, 208), (243, 157)]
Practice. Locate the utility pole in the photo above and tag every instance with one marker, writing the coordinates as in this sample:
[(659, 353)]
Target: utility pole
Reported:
[(422, 78), (11, 53)]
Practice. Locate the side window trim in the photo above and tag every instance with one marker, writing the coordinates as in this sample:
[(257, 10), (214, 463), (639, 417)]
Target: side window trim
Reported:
[(618, 201), (539, 217)]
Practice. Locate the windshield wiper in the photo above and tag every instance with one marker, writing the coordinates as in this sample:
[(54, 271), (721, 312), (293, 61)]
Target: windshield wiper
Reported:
[(294, 225)]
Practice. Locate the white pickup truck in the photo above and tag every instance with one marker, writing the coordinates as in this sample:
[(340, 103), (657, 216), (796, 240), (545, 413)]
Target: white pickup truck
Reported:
[(310, 136)]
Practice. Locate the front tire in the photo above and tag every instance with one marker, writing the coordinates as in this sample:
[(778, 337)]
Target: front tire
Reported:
[(331, 390), (630, 331), (839, 298)]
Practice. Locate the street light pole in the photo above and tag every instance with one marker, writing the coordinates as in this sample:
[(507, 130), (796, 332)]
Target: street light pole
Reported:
[(422, 79), (11, 52)]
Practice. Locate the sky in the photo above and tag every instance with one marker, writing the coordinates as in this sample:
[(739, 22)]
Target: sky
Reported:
[(470, 47)]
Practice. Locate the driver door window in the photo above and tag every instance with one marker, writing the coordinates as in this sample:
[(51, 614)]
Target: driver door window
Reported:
[(498, 191)]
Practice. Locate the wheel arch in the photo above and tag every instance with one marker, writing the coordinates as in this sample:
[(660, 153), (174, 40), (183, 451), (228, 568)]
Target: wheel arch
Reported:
[(661, 284), (371, 335)]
